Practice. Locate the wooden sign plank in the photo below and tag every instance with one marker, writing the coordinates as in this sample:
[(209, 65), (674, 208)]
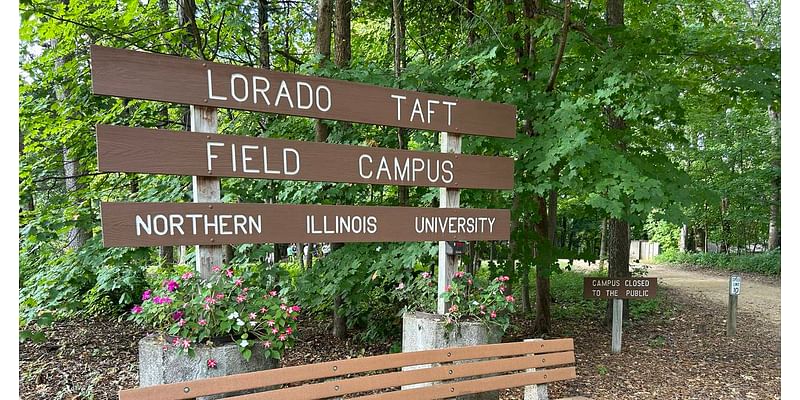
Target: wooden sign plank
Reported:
[(125, 149), (140, 75), (155, 224), (619, 288)]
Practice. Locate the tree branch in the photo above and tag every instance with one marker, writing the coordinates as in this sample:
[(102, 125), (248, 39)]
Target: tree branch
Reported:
[(551, 83), (290, 57)]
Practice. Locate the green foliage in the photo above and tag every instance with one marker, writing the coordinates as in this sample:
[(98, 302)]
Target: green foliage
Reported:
[(768, 263), (666, 234)]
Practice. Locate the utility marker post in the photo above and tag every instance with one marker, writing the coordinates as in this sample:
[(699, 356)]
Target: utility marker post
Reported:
[(448, 198), (734, 287), (206, 189), (616, 326)]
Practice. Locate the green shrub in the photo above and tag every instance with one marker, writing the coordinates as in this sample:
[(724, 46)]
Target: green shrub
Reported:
[(768, 263)]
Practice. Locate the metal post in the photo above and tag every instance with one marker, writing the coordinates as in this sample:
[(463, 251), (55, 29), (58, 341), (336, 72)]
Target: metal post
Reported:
[(734, 287)]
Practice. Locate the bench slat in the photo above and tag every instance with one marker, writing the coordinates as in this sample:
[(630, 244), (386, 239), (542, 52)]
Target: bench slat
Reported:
[(452, 389), (400, 378), (279, 376)]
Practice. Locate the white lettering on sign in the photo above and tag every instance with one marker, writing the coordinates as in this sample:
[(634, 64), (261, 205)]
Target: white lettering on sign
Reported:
[(242, 88), (341, 224), (606, 282), (454, 224), (736, 285), (426, 116), (250, 159), (174, 224), (405, 169)]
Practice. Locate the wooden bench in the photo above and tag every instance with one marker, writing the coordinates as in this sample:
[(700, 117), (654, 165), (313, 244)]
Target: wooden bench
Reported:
[(455, 371)]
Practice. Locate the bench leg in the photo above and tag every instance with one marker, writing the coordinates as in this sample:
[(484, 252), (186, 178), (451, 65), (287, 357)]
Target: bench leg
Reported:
[(535, 392)]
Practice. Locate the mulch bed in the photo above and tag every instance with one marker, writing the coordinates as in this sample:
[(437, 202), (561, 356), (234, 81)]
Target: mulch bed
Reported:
[(680, 354)]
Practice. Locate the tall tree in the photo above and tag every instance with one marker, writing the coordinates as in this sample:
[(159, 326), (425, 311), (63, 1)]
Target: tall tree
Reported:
[(399, 19)]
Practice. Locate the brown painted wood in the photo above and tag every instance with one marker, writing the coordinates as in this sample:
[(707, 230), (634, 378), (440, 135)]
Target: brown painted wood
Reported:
[(160, 224), (396, 379), (331, 369), (452, 389), (619, 288), (140, 75), (155, 151)]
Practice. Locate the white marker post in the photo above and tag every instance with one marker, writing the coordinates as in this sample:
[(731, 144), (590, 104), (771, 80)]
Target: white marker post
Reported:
[(448, 198), (616, 326), (206, 190), (734, 287)]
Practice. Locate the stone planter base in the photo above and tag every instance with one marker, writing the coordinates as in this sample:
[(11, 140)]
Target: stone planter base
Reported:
[(160, 363), (423, 331)]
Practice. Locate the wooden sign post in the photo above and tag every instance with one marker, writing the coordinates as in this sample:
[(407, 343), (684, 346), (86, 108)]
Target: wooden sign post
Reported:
[(206, 189), (448, 198), (618, 289), (734, 288)]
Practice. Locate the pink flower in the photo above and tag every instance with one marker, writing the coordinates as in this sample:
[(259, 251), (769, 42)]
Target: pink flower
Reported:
[(216, 268), (182, 322), (274, 330), (267, 344), (146, 294), (502, 289), (447, 288), (289, 330), (459, 274), (202, 322), (212, 363), (206, 307), (238, 282), (282, 338), (401, 286), (157, 300), (210, 300), (171, 285), (187, 275), (426, 274), (185, 343), (283, 307), (176, 341), (245, 290), (252, 315), (510, 298), (241, 298), (453, 308), (273, 293), (296, 308), (137, 309), (166, 300), (177, 315), (219, 296), (263, 310), (271, 323), (493, 314), (229, 273), (469, 281)]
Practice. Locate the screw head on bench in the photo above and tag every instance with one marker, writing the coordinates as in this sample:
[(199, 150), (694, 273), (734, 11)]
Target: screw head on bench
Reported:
[(186, 389), (449, 354), (335, 368), (543, 361), (336, 388), (450, 372), (452, 389)]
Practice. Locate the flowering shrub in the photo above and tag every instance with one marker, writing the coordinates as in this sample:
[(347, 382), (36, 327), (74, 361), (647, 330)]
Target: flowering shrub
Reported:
[(227, 306), (468, 299)]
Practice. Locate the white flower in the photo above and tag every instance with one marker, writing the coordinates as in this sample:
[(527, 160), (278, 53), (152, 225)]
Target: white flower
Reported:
[(233, 315), (253, 323), (401, 286), (239, 322), (244, 343), (378, 248), (475, 302), (209, 285)]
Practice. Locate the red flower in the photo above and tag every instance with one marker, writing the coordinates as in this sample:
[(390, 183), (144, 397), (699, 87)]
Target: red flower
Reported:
[(212, 363)]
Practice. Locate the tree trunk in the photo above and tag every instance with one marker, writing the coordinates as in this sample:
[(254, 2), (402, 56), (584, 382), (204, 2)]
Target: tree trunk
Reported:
[(773, 241), (471, 33), (263, 34), (323, 48), (398, 16), (603, 241), (683, 241), (541, 323), (618, 257)]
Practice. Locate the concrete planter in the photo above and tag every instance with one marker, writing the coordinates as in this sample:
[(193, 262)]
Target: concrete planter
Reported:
[(423, 331), (160, 363)]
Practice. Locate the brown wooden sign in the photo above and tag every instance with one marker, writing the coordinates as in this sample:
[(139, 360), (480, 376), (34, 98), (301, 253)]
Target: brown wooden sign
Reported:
[(156, 224), (125, 73), (124, 149), (619, 288)]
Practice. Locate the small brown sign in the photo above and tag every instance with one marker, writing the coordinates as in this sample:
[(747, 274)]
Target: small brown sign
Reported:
[(619, 288), (124, 149), (140, 75), (156, 224)]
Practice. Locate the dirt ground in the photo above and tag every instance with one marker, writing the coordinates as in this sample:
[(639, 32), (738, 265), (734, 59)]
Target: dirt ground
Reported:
[(679, 353)]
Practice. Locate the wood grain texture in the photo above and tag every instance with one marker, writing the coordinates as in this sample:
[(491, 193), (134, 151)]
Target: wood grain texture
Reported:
[(226, 384), (140, 75), (156, 151), (212, 224)]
